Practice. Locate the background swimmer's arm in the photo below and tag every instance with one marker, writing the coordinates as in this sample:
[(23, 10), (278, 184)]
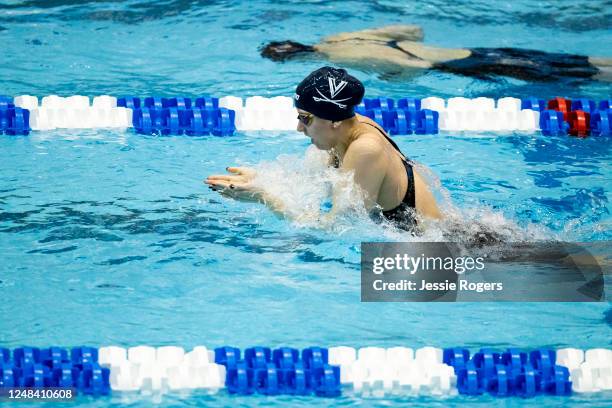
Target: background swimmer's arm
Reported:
[(367, 53), (433, 54), (394, 32)]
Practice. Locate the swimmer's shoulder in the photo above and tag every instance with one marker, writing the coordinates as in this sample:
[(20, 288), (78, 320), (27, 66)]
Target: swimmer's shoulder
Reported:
[(366, 139), (367, 128), (366, 155)]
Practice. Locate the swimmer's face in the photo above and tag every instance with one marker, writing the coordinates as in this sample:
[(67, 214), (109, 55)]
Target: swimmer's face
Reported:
[(320, 131)]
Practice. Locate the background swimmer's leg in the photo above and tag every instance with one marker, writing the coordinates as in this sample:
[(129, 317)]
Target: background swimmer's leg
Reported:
[(601, 62), (604, 74), (604, 65)]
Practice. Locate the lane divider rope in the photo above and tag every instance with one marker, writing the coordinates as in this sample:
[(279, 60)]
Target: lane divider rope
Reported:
[(207, 115), (325, 372)]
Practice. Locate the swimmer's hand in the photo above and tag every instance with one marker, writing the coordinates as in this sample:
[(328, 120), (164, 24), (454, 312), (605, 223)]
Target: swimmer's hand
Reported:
[(237, 185)]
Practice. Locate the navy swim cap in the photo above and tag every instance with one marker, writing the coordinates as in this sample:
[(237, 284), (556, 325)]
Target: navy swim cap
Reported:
[(329, 93)]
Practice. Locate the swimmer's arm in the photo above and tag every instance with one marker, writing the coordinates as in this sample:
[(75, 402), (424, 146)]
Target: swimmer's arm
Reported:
[(393, 32), (274, 204), (425, 200), (239, 186), (366, 159), (278, 207)]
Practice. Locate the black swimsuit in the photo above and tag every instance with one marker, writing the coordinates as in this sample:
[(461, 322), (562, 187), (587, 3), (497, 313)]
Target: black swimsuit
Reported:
[(530, 65), (403, 216)]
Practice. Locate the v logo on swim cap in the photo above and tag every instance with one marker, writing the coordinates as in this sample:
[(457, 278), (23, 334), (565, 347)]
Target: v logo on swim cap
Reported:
[(333, 91), (333, 88), (329, 93)]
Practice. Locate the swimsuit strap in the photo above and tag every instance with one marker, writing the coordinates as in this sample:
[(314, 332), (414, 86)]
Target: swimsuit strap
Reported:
[(410, 196), (393, 44)]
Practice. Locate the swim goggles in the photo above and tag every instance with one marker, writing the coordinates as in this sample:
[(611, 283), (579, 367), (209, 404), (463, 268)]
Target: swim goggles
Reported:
[(305, 118)]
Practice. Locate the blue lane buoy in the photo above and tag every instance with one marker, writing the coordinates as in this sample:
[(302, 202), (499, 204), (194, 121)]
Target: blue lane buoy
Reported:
[(583, 104), (23, 356), (601, 123), (486, 360), (130, 102), (64, 376), (257, 357), (379, 103), (298, 379), (53, 356), (225, 122), (171, 121), (6, 102), (376, 115), (527, 382), (154, 102), (196, 125), (207, 102), (361, 109), (401, 123), (142, 121), (326, 381), (35, 376), (178, 102), (409, 104), (559, 383), (94, 380), (5, 355), (227, 355), (84, 355), (314, 357), (427, 122), (605, 104), (285, 357), (9, 375), (267, 379), (468, 382), (552, 123), (514, 358), (18, 121), (240, 379), (501, 384), (456, 357), (543, 360), (533, 104)]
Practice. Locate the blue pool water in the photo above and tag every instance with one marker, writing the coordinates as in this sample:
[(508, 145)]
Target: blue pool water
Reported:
[(108, 237)]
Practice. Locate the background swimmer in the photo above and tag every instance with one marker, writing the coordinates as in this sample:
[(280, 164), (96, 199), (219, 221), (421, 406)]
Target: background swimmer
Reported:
[(398, 49)]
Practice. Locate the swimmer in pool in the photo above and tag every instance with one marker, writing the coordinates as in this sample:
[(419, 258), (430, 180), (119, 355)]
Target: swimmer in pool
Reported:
[(325, 101), (398, 50)]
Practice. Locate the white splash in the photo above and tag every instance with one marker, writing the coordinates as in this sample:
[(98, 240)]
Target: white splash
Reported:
[(304, 183)]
